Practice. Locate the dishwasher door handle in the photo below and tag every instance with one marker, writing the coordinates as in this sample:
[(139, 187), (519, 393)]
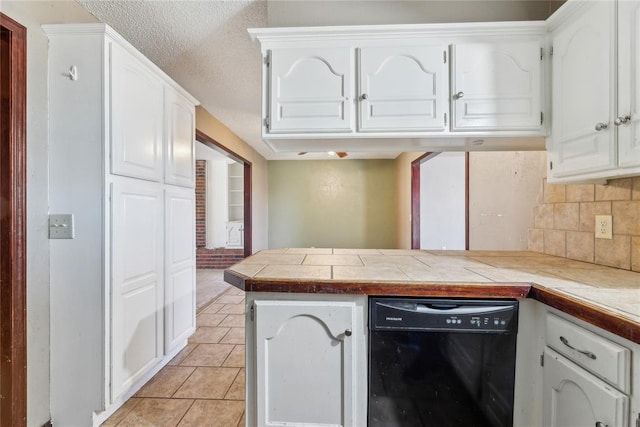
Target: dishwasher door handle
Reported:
[(444, 309)]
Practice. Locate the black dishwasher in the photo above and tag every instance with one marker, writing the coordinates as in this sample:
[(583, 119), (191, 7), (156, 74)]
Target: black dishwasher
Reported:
[(441, 362)]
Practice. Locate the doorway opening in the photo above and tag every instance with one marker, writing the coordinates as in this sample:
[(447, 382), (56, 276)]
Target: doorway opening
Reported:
[(223, 215), (440, 201), (13, 264)]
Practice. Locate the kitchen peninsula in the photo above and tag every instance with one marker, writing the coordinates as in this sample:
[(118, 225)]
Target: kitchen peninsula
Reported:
[(307, 314)]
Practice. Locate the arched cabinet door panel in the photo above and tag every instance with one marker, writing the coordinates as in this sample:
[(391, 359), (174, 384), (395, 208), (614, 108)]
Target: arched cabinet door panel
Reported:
[(497, 85), (572, 397), (310, 90), (403, 88), (304, 354), (582, 91)]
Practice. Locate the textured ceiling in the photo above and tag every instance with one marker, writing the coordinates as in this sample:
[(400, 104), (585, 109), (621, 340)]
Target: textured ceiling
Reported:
[(204, 45)]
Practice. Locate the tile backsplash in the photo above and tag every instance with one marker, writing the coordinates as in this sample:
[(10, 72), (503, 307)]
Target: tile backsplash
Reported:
[(564, 222)]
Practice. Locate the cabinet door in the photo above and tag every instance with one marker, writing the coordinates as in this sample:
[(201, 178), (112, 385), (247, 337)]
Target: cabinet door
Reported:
[(305, 372), (629, 83), (180, 291), (310, 90), (136, 281), (574, 398), (497, 86), (136, 111), (582, 87), (403, 88), (179, 139)]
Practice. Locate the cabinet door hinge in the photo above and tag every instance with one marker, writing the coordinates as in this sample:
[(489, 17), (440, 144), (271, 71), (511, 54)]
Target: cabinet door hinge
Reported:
[(551, 51), (541, 117), (550, 166), (541, 53), (542, 359), (267, 60), (252, 312), (267, 122), (445, 119), (444, 56)]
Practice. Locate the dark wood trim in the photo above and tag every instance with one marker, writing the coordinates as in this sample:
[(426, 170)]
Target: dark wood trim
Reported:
[(13, 263), (466, 201), (595, 315), (590, 313), (248, 229), (415, 205), (248, 195), (415, 199)]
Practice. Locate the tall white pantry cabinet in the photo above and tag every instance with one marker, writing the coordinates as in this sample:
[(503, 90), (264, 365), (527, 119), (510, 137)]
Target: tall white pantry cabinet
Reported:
[(121, 161)]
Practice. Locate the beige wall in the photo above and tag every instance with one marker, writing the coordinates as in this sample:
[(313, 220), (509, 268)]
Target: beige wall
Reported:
[(32, 14), (358, 12), (212, 127), (332, 203), (565, 222), (503, 187)]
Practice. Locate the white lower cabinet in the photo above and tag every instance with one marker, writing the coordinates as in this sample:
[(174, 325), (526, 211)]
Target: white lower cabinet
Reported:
[(306, 362), (180, 292), (573, 397), (122, 289), (137, 281)]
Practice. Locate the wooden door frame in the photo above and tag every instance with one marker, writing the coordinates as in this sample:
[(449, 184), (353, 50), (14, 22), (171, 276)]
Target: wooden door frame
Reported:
[(13, 263), (248, 230), (415, 198)]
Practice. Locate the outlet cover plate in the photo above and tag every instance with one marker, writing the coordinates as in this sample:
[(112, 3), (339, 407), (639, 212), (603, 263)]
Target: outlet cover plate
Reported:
[(61, 226), (604, 227)]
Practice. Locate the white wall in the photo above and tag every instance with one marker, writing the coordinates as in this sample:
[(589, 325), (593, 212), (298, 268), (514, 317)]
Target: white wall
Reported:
[(32, 14), (442, 202), (503, 191), (217, 212)]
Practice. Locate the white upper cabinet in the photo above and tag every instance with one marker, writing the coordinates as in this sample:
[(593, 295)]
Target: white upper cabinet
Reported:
[(403, 88), (497, 86), (582, 137), (136, 110), (595, 84), (388, 87), (310, 89), (179, 139), (627, 117)]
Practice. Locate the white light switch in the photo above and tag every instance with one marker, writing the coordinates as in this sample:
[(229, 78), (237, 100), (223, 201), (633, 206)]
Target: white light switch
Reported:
[(61, 226)]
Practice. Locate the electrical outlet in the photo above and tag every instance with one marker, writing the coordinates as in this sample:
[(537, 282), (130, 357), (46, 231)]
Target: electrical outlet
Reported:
[(604, 227)]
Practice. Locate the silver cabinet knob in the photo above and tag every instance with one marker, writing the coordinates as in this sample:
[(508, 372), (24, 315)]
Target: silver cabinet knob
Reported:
[(601, 126), (364, 96), (622, 120), (348, 332), (601, 424), (458, 95)]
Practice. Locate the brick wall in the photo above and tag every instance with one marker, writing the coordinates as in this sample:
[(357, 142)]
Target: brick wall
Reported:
[(564, 223), (209, 258), (218, 258), (201, 203)]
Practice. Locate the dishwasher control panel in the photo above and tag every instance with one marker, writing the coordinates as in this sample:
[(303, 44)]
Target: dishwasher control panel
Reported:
[(420, 314)]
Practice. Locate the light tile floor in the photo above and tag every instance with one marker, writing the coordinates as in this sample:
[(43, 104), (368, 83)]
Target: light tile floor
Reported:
[(204, 384)]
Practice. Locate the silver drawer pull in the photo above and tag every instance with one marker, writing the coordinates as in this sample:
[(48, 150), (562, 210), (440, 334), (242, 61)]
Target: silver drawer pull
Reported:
[(601, 424), (585, 352)]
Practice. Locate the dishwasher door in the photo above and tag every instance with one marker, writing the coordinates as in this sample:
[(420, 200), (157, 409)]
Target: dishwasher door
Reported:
[(437, 362)]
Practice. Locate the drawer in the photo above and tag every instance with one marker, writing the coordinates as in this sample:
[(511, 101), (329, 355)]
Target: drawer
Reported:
[(598, 355)]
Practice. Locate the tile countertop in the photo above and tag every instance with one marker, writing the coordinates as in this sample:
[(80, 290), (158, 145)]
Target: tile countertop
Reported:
[(606, 297)]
